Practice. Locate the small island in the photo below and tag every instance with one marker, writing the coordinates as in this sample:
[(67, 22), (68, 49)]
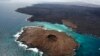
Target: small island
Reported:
[(50, 42)]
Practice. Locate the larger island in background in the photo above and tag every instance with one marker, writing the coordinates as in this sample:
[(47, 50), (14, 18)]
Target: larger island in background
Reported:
[(85, 19)]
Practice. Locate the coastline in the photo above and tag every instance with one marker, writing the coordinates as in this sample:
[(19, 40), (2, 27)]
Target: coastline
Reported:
[(20, 44), (82, 22), (36, 50)]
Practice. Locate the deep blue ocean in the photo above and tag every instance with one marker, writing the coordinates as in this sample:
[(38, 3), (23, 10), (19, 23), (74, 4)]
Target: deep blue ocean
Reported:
[(11, 22)]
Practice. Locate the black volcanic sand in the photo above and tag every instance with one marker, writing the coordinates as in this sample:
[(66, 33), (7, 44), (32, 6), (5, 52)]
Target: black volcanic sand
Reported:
[(51, 42), (87, 19)]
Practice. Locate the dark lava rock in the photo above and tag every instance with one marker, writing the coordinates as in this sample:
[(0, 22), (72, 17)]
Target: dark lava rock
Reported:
[(87, 19)]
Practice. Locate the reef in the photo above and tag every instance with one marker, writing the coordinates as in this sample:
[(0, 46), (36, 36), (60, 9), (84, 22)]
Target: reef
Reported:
[(50, 42)]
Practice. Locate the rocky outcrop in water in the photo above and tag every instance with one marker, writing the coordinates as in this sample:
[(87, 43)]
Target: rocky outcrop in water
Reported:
[(51, 42)]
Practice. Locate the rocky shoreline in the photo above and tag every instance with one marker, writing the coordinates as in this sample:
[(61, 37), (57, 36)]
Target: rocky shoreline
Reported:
[(51, 42), (85, 18)]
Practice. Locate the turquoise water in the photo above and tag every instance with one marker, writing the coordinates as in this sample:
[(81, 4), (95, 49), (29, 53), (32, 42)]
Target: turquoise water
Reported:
[(89, 45), (11, 22)]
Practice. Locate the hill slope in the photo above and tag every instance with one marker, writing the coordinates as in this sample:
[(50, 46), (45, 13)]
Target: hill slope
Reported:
[(86, 18)]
